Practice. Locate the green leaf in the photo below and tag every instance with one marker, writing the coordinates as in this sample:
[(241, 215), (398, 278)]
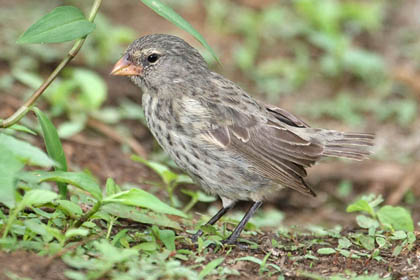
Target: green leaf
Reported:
[(203, 197), (70, 128), (381, 241), (397, 250), (139, 215), (361, 206), (250, 259), (411, 237), (183, 179), (35, 225), (56, 233), (25, 152), (93, 88), (210, 267), (111, 187), (344, 243), (112, 254), (37, 197), (53, 145), (51, 139), (122, 234), (209, 229), (141, 198), (78, 179), (22, 128), (147, 246), (366, 222), (164, 172), (326, 251), (9, 168), (374, 200), (166, 236), (398, 235), (397, 218), (101, 215), (62, 24), (70, 208), (368, 242), (169, 14), (76, 232), (344, 252)]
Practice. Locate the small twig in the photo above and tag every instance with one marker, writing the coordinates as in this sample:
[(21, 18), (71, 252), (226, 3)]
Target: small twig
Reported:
[(21, 112), (408, 76), (407, 182), (86, 216), (111, 133), (81, 139)]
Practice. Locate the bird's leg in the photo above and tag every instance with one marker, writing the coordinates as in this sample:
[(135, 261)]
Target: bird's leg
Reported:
[(213, 220), (237, 231)]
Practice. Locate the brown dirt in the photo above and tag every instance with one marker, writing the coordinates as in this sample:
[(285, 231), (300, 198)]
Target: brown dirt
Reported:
[(29, 264), (289, 260), (294, 266)]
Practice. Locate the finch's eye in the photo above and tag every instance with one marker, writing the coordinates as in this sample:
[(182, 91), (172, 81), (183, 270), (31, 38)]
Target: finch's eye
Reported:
[(153, 58)]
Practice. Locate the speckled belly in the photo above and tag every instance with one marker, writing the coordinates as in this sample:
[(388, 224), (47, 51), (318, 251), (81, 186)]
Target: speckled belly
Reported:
[(216, 170)]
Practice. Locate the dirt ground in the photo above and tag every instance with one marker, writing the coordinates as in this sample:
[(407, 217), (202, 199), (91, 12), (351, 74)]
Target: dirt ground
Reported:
[(291, 262), (96, 151)]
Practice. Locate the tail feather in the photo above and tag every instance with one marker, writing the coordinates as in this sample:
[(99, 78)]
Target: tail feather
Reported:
[(347, 145), (364, 140)]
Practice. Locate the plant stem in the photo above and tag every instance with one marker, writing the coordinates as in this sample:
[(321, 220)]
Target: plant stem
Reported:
[(86, 216), (170, 189), (191, 204), (111, 224), (21, 112), (11, 219)]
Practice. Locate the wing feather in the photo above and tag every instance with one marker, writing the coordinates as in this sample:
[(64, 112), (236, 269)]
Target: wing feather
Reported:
[(274, 151), (262, 135)]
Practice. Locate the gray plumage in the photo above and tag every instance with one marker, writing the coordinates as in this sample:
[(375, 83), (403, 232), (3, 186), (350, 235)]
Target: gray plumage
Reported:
[(229, 143)]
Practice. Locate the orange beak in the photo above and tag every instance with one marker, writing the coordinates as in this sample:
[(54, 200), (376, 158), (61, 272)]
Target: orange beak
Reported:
[(124, 67)]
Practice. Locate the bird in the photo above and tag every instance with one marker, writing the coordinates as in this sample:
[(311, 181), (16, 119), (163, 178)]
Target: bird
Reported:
[(229, 143)]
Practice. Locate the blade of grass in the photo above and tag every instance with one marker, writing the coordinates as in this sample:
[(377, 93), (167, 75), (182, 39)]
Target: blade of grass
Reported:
[(54, 147), (210, 267), (78, 179), (141, 198), (169, 14)]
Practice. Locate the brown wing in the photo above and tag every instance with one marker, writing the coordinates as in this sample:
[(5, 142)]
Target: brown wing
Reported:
[(286, 117), (263, 138)]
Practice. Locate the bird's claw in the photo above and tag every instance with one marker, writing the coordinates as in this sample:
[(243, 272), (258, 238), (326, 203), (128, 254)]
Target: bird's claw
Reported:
[(195, 236), (227, 242)]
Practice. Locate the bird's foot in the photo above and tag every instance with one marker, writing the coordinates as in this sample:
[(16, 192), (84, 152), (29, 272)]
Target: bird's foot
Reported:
[(229, 243), (237, 244), (195, 236)]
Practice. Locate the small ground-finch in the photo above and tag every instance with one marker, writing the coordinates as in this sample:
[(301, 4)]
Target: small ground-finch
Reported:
[(229, 143)]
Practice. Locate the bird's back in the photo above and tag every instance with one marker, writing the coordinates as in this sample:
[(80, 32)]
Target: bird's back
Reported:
[(236, 147)]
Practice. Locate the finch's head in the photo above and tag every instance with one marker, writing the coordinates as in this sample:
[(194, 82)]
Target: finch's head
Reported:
[(156, 60)]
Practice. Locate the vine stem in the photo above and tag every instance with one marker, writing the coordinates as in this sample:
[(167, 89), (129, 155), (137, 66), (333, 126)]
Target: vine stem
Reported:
[(89, 214), (21, 112)]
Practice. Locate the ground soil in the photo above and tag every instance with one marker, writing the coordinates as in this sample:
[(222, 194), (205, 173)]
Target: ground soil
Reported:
[(28, 264), (291, 263)]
